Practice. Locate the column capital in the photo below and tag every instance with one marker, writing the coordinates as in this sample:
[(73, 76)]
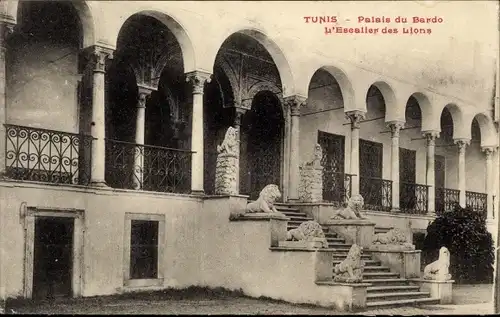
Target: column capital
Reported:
[(430, 136), (198, 79), (488, 150), (144, 92), (238, 114), (462, 144), (395, 127), (6, 30), (295, 102), (96, 57), (355, 116)]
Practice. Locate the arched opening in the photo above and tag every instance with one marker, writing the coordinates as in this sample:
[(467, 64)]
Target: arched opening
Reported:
[(321, 122), (148, 148), (243, 70), (262, 129), (375, 190)]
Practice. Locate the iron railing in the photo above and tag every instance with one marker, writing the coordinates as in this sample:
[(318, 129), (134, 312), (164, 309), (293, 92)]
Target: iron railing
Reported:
[(337, 188), (413, 198), (446, 199), (146, 167), (47, 155), (476, 201), (377, 193)]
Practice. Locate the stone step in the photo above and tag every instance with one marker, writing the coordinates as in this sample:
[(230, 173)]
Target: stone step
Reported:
[(403, 302), (396, 296), (281, 207), (378, 275), (342, 256), (376, 268), (392, 288), (367, 262), (299, 218), (292, 213), (387, 281)]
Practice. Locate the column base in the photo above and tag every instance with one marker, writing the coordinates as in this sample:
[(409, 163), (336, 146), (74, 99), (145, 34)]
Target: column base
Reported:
[(431, 213), (198, 192), (395, 209), (99, 183)]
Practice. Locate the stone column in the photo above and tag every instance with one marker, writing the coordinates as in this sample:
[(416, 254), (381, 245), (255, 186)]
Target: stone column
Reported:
[(462, 185), (239, 112), (140, 125), (294, 103), (98, 58), (430, 174), (488, 151), (395, 127), (5, 30), (355, 117), (197, 79)]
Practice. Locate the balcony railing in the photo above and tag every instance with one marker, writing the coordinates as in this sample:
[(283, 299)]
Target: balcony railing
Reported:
[(476, 201), (446, 199), (337, 188), (47, 155), (413, 198), (377, 193), (150, 168)]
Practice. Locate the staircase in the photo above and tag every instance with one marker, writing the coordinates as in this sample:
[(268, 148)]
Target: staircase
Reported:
[(388, 289)]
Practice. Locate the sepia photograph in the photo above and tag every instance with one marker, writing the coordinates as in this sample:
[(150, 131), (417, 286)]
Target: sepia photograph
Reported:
[(249, 157)]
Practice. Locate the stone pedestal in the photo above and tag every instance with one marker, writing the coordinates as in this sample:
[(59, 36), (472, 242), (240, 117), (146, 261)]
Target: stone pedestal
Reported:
[(226, 174), (399, 259), (278, 223), (354, 294), (438, 289), (359, 232), (311, 184)]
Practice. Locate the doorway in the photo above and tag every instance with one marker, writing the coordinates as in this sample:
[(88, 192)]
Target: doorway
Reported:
[(407, 179), (53, 257), (334, 189)]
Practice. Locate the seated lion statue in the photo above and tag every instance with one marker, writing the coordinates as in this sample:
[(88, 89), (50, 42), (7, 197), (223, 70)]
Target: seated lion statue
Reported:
[(393, 236), (266, 200), (439, 269), (308, 231), (351, 269), (230, 143), (353, 209)]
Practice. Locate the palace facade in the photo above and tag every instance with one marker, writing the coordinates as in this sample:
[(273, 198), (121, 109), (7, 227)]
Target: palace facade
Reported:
[(111, 113)]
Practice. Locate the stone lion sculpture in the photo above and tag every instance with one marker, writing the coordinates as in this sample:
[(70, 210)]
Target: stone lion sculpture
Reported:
[(351, 269), (266, 200), (393, 236), (308, 231), (353, 209), (230, 143), (317, 157), (439, 269)]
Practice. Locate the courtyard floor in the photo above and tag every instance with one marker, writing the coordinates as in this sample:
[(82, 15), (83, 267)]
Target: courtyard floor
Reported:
[(468, 299)]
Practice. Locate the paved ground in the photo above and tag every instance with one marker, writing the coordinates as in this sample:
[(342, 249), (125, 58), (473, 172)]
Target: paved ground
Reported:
[(468, 299)]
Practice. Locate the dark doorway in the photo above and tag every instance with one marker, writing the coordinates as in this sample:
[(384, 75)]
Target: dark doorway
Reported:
[(407, 176), (264, 127), (53, 257), (370, 172), (439, 174), (333, 166)]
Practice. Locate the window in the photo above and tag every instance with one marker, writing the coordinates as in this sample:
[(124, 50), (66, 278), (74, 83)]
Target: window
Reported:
[(143, 250)]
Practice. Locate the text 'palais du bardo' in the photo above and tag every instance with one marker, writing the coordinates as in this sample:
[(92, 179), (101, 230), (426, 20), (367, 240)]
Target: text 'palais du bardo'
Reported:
[(371, 25)]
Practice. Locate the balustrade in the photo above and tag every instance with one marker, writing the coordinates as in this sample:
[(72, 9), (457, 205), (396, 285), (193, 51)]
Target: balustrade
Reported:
[(377, 193), (446, 199), (47, 155), (476, 201), (413, 198), (146, 167)]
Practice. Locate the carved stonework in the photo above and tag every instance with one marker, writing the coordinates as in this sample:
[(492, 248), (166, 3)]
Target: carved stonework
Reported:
[(355, 117), (144, 94), (267, 197), (238, 115), (439, 269), (462, 145), (98, 57), (392, 237), (227, 164), (295, 103), (430, 137), (488, 151), (6, 30), (197, 80), (308, 231), (351, 269), (352, 211), (311, 178), (395, 127)]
